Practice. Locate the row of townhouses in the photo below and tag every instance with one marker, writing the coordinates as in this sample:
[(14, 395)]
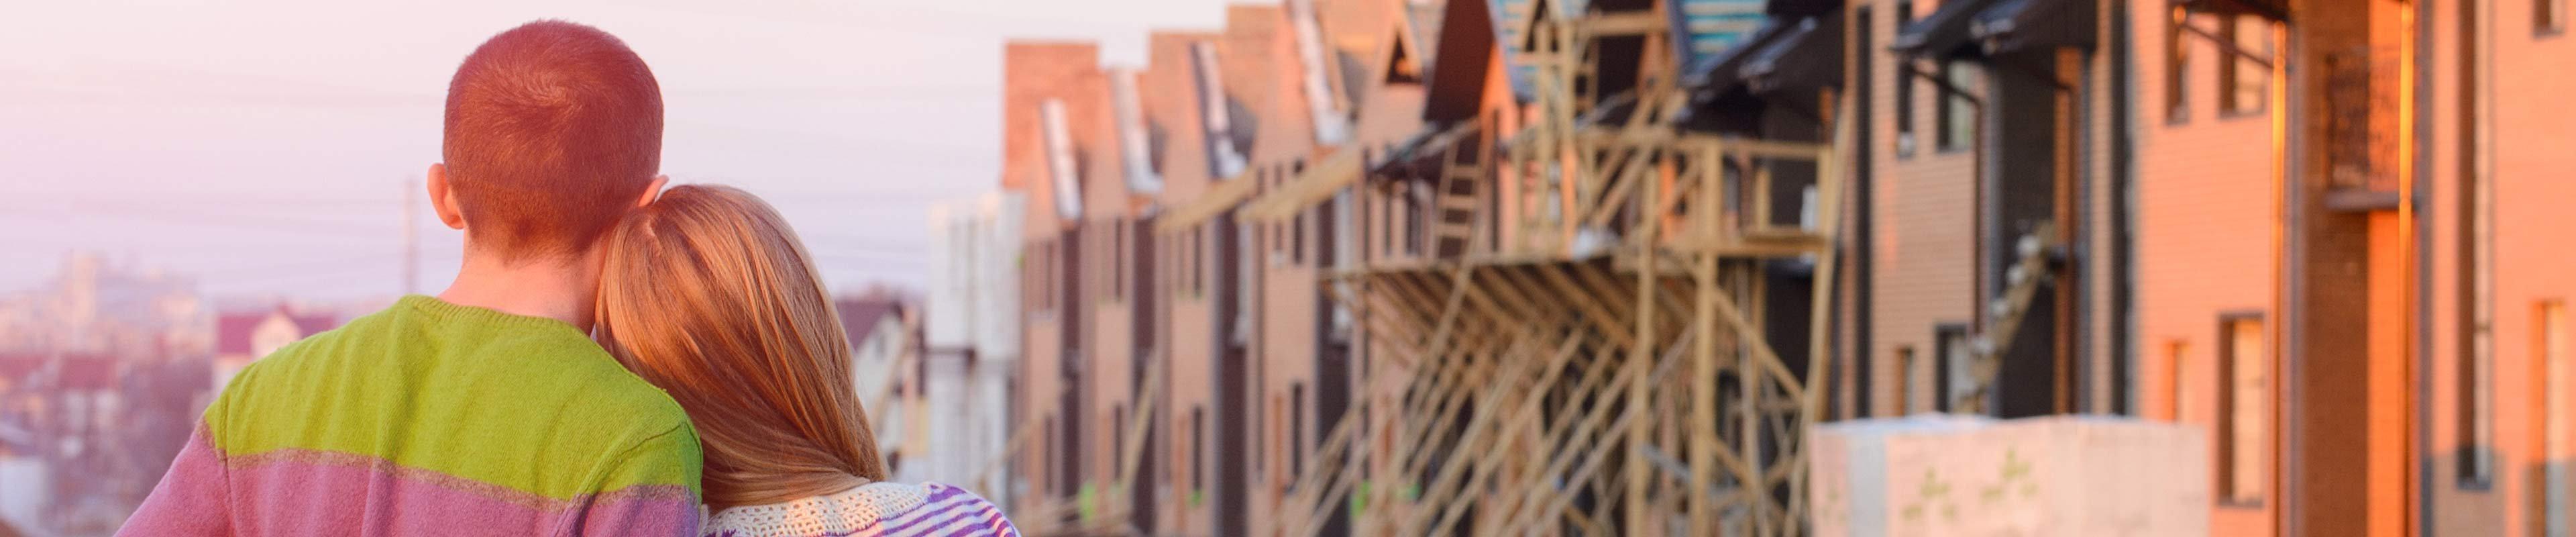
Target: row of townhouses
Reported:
[(1456, 266)]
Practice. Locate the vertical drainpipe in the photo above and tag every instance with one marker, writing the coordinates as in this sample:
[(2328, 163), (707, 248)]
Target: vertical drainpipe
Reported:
[(2425, 462), (2123, 353), (2289, 98)]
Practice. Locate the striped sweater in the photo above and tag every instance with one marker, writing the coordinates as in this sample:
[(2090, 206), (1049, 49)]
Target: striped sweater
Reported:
[(871, 510), (430, 418)]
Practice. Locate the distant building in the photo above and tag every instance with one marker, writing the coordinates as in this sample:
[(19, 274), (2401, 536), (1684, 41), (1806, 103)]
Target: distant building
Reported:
[(98, 306), (884, 364), (971, 341), (245, 337), (22, 494)]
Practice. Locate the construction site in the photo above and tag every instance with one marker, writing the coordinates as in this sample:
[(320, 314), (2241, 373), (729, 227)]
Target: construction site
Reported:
[(1736, 267)]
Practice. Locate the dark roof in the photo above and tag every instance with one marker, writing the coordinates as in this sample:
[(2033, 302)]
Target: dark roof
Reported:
[(1716, 75), (2018, 24), (87, 373), (2278, 10), (232, 331), (310, 324), (1718, 99), (1418, 156), (1456, 80), (860, 316), (1807, 56), (20, 365), (1810, 8), (1943, 34)]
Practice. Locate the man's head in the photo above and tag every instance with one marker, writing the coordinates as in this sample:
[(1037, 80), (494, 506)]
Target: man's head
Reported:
[(554, 131)]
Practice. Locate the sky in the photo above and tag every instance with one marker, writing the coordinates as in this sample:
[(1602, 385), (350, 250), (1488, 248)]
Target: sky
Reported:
[(270, 148)]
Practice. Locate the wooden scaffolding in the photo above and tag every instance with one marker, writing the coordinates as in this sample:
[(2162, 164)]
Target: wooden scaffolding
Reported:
[(1608, 373)]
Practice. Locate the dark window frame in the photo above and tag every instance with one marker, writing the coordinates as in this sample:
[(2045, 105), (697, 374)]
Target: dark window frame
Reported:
[(1296, 429), (1942, 398), (2177, 67), (2225, 420), (1198, 448), (1905, 140), (2241, 61), (2548, 18), (1904, 387), (1954, 105)]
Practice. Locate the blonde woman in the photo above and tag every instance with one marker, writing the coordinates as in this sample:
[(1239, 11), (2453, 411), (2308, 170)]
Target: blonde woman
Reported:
[(706, 293)]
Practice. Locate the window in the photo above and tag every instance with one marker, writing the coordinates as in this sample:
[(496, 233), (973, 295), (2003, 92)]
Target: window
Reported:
[(2245, 83), (1297, 224), (1117, 261), (1117, 435), (1198, 259), (1953, 379), (1903, 389), (2177, 66), (2548, 17), (1198, 449), (1905, 82), (2557, 433), (1412, 218), (1270, 428), (2244, 410), (1958, 111), (2174, 372), (2477, 411), (1296, 429)]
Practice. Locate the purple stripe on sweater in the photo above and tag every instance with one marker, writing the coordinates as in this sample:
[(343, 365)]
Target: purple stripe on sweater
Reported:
[(297, 497), (926, 513), (984, 528), (950, 525)]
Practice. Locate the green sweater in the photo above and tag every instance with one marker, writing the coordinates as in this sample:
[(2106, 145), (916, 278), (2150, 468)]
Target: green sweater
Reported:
[(433, 418)]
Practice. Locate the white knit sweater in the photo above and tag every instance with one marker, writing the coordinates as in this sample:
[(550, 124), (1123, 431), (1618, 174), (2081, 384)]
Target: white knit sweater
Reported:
[(874, 509)]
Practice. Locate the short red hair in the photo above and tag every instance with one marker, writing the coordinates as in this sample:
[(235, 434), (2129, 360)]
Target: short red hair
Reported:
[(553, 131)]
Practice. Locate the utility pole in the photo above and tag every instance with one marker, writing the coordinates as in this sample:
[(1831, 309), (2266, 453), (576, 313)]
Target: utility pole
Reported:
[(410, 237)]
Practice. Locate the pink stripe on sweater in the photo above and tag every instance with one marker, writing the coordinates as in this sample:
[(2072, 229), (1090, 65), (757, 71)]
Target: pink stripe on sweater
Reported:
[(297, 492)]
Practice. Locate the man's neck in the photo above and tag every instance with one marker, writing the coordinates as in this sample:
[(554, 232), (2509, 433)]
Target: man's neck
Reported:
[(559, 289)]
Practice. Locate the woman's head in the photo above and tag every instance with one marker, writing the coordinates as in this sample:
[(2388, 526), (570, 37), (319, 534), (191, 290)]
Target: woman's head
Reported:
[(708, 294)]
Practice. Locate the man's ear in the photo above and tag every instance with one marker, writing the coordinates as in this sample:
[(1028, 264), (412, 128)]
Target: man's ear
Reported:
[(652, 191), (442, 198)]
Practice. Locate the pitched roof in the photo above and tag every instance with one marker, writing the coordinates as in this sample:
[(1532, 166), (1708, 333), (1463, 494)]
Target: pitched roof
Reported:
[(20, 365), (860, 316), (310, 324), (232, 331), (87, 372)]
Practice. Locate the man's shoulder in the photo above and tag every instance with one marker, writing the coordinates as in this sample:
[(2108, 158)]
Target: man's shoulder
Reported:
[(509, 377)]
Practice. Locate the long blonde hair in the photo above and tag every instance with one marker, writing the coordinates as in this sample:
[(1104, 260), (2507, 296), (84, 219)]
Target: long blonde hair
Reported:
[(708, 294)]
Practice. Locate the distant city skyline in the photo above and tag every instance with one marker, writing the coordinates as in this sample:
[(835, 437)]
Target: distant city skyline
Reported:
[(267, 148)]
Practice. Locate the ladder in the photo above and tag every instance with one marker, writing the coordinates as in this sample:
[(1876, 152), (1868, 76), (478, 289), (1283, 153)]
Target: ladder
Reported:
[(1456, 201)]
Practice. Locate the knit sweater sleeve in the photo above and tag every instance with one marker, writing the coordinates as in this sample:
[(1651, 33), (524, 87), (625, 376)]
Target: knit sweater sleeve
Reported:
[(194, 498), (651, 489)]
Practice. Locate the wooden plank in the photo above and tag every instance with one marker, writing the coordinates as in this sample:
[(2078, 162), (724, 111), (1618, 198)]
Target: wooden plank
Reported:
[(1587, 302), (1639, 22), (1578, 436), (1523, 412), (1703, 407), (1639, 517)]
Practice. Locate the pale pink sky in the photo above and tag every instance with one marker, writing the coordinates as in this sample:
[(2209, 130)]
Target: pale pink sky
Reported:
[(265, 146)]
